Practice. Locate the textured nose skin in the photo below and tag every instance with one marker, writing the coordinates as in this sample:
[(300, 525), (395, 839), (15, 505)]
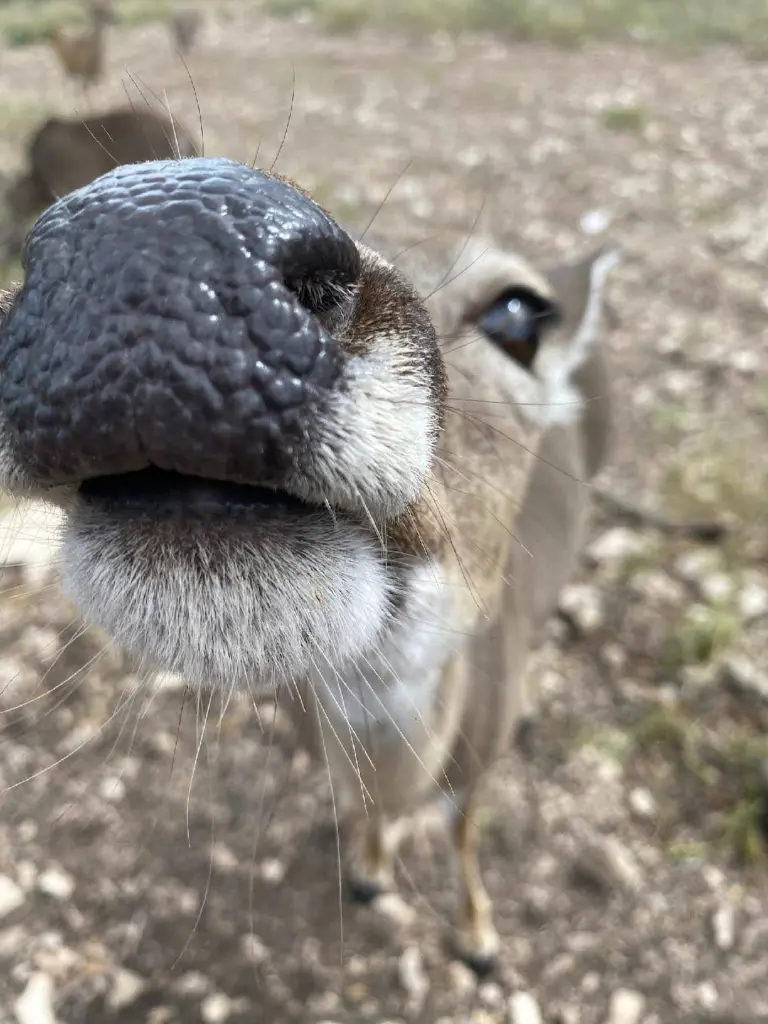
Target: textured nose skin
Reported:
[(159, 323)]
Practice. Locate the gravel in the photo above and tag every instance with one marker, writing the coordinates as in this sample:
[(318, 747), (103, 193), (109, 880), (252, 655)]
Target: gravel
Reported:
[(136, 891)]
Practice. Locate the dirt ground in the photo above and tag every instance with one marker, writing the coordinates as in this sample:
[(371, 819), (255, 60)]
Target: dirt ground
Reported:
[(135, 887)]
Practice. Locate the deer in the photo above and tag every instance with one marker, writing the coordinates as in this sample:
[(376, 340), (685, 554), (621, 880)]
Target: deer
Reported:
[(81, 51), (283, 459), (184, 25), (63, 154)]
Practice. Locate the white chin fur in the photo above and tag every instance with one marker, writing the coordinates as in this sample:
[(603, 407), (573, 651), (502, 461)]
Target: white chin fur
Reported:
[(228, 609)]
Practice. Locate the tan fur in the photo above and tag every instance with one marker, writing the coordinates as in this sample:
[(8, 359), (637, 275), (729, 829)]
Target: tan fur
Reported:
[(505, 512), (64, 154), (81, 52), (446, 500)]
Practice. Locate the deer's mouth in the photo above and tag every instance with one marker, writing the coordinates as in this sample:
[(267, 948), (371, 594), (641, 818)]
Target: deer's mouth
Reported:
[(165, 495)]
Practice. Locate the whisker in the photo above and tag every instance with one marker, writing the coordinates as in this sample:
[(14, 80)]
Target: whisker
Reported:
[(287, 123)]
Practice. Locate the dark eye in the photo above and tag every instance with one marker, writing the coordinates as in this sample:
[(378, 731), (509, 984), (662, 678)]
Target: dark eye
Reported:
[(516, 321)]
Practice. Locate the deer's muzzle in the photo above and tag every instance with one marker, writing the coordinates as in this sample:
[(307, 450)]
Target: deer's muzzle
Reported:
[(171, 317)]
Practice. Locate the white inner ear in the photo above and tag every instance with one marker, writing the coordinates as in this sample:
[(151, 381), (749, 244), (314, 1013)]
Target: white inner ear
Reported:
[(558, 361)]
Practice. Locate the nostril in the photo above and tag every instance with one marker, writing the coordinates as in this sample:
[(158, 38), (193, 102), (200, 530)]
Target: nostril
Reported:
[(180, 308)]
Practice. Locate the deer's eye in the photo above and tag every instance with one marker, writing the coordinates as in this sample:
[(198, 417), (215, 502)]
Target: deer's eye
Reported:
[(516, 321)]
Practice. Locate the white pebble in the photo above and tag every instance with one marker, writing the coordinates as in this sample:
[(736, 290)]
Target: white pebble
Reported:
[(127, 986), (35, 1004), (583, 605), (753, 601), (626, 1007), (392, 906), (724, 927), (707, 995), (112, 788), (272, 870), (54, 881), (523, 1009), (642, 804), (594, 222), (216, 1008), (413, 978), (11, 896)]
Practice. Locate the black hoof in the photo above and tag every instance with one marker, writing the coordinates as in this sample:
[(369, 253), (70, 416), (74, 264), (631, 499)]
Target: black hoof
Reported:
[(362, 891), (481, 965)]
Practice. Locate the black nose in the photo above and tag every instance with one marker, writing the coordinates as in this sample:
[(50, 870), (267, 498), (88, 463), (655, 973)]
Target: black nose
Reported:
[(168, 317)]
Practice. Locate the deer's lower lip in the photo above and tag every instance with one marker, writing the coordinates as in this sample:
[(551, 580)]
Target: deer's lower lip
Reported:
[(164, 494)]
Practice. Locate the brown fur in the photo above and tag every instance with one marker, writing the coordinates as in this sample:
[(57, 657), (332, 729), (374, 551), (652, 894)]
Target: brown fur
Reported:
[(64, 154), (81, 53), (185, 25)]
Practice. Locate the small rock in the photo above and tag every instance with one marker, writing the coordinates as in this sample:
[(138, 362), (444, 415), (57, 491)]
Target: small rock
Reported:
[(161, 1015), (223, 858), (112, 788), (392, 906), (716, 587), (626, 1007), (490, 994), (35, 1004), (707, 995), (744, 361), (642, 803), (657, 585), (55, 882), (753, 601), (523, 1009), (11, 941), (412, 976), (594, 222), (694, 566), (582, 604), (740, 673), (26, 875), (617, 545), (11, 896), (677, 383), (608, 864), (461, 980), (127, 986), (568, 1014), (216, 1008), (193, 983), (724, 927), (253, 949), (272, 870)]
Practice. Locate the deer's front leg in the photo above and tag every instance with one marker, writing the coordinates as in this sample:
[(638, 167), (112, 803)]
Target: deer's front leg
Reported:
[(373, 842), (476, 939)]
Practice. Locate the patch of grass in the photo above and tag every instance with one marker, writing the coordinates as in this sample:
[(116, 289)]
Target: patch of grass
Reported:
[(667, 728), (712, 479), (704, 632), (717, 775), (614, 743), (568, 22), (743, 830), (23, 22), (624, 119), (691, 850)]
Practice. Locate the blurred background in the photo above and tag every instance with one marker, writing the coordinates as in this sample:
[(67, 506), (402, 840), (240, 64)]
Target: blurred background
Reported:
[(625, 843)]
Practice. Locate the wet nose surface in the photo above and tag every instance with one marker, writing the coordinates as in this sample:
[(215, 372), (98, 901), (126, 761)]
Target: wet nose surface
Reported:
[(167, 319)]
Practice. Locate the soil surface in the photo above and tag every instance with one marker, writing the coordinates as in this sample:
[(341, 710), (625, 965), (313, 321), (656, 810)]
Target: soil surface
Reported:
[(147, 875)]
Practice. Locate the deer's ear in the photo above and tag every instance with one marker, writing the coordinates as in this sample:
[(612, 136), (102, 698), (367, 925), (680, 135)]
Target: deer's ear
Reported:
[(579, 287)]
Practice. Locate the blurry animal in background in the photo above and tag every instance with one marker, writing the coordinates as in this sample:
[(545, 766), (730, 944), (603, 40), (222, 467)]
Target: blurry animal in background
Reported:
[(65, 153), (185, 25), (81, 51)]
